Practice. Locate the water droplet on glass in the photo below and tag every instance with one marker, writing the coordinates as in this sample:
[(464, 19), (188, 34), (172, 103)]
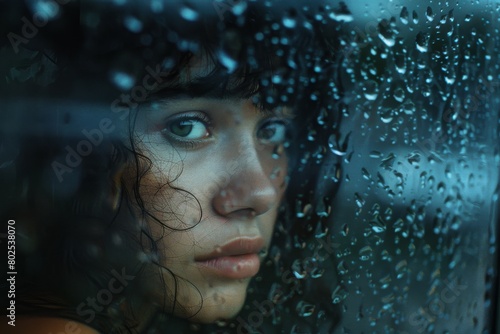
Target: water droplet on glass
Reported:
[(399, 94), (370, 90), (339, 294), (401, 268), (429, 14), (387, 116), (132, 24), (441, 187), (289, 22), (302, 211), (398, 225), (143, 257), (297, 269), (385, 281), (404, 16), (365, 253), (450, 77), (388, 162), (386, 34), (409, 108), (263, 253), (189, 14), (456, 222), (447, 171), (359, 200), (323, 210), (239, 7), (411, 249), (122, 80), (278, 151), (276, 293), (317, 272), (375, 210), (388, 214), (342, 268), (378, 225), (305, 309), (415, 17), (116, 239), (336, 147), (414, 159), (227, 61), (443, 19), (345, 230), (422, 42), (426, 90), (366, 175), (341, 14), (48, 9), (156, 6)]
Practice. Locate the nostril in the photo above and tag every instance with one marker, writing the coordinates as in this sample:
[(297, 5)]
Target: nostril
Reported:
[(228, 209), (226, 204), (275, 173), (249, 193)]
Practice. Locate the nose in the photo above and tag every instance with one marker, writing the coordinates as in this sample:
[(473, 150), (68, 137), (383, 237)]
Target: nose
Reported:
[(253, 186)]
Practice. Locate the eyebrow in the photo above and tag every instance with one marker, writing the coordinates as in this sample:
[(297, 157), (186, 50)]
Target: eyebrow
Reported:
[(176, 93), (174, 96), (202, 89)]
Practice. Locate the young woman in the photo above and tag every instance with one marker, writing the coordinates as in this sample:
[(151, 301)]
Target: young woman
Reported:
[(165, 202)]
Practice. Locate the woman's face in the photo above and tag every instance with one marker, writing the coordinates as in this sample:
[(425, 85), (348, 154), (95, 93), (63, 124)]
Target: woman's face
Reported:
[(217, 177)]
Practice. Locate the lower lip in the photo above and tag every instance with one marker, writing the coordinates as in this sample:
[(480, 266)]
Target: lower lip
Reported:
[(235, 267)]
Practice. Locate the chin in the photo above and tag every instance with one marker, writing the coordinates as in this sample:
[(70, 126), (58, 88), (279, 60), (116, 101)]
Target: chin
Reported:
[(210, 317), (220, 305)]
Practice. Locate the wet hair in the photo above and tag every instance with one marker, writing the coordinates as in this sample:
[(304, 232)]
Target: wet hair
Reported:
[(78, 226)]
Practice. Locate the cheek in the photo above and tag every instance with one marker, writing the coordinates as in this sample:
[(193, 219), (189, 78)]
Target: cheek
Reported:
[(167, 207)]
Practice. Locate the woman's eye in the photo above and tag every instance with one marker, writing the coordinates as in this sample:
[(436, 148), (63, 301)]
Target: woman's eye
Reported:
[(187, 128), (272, 132)]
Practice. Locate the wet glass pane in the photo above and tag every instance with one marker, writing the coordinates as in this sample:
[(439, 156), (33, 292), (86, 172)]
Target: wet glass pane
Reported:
[(416, 212), (236, 166)]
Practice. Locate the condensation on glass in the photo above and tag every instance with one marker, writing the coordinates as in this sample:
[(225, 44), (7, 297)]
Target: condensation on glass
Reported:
[(412, 226), (417, 208)]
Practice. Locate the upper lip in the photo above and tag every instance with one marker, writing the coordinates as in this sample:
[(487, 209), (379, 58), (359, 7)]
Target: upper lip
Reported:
[(239, 246)]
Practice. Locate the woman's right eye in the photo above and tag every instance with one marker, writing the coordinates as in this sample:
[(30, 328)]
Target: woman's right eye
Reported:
[(187, 127)]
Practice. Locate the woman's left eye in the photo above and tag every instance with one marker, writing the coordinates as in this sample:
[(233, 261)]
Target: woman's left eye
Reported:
[(273, 131), (187, 128), (190, 129)]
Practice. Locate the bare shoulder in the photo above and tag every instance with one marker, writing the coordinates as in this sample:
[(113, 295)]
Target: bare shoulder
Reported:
[(39, 325)]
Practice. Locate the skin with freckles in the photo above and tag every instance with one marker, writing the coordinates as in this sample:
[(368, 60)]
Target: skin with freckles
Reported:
[(217, 177)]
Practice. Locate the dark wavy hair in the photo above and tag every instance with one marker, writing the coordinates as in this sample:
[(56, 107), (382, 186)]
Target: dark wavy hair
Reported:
[(78, 227)]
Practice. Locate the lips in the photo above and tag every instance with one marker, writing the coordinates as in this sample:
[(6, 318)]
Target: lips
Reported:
[(236, 259)]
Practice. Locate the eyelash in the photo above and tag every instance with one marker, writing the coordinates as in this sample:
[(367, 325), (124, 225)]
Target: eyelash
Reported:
[(203, 118), (274, 121), (194, 116)]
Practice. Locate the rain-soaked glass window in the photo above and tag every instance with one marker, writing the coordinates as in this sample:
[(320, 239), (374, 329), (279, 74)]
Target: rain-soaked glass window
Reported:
[(248, 166)]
